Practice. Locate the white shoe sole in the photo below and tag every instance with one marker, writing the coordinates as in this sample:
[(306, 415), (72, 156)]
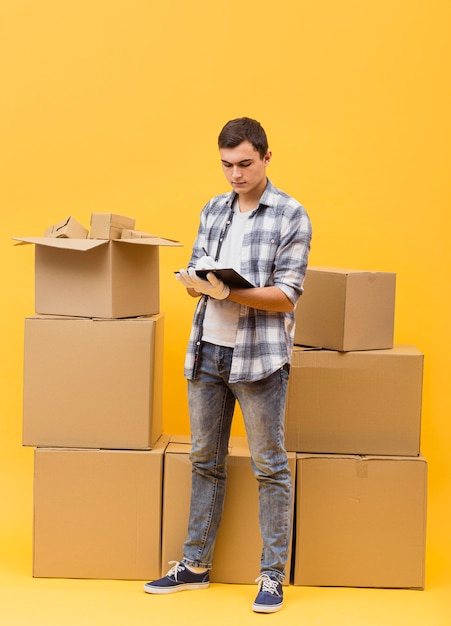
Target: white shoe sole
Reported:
[(175, 589), (266, 608)]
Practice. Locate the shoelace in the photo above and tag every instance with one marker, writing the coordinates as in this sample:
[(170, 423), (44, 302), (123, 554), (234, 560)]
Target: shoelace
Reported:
[(175, 569), (265, 583)]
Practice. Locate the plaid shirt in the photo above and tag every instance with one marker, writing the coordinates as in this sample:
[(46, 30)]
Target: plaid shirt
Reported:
[(275, 251)]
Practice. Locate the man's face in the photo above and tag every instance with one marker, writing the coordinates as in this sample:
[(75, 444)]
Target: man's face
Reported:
[(244, 168)]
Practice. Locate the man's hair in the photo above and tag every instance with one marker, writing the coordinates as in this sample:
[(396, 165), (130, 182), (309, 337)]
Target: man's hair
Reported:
[(244, 129)]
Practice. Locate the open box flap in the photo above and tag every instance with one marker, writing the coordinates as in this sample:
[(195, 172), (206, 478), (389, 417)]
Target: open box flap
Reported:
[(88, 244)]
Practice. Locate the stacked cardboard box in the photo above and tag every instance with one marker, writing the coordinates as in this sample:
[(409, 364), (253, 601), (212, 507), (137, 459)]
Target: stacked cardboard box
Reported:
[(92, 401), (353, 417)]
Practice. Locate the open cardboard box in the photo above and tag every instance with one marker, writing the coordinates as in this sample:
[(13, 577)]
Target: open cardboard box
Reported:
[(97, 277)]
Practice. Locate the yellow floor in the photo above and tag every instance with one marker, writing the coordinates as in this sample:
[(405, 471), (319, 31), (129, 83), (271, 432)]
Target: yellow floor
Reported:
[(25, 601), (28, 601)]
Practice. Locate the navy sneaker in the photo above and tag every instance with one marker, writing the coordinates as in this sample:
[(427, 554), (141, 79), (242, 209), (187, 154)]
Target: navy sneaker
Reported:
[(270, 595), (179, 578)]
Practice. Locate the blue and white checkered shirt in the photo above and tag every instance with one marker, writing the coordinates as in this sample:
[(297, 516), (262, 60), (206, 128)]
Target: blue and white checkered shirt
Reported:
[(275, 251)]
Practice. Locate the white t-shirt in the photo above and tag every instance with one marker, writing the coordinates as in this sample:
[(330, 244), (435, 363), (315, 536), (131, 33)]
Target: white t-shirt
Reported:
[(221, 316)]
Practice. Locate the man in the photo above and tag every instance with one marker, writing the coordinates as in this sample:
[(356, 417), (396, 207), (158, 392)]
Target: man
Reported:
[(240, 350)]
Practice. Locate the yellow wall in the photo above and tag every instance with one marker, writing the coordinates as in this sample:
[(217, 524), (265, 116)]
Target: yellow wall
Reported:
[(115, 105)]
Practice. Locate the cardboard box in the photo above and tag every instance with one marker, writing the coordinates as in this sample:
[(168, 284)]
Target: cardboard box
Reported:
[(69, 228), (97, 278), (361, 521), (127, 233), (97, 513), (93, 383), (355, 402), (109, 225), (343, 309), (238, 543)]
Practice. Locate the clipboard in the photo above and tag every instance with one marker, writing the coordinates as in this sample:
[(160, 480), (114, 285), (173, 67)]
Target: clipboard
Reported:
[(229, 277)]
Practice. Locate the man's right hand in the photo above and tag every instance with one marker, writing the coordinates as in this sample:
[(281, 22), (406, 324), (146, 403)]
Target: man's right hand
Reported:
[(213, 286)]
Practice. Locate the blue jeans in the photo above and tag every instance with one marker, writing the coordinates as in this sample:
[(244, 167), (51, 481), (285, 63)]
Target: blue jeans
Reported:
[(211, 403)]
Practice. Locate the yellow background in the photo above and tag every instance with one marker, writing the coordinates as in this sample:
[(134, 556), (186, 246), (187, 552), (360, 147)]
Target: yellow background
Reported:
[(115, 106)]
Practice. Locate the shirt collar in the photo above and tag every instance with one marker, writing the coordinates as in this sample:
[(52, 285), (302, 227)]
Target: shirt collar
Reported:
[(266, 199)]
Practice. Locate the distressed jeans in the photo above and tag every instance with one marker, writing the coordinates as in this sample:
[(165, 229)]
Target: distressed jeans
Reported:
[(211, 403)]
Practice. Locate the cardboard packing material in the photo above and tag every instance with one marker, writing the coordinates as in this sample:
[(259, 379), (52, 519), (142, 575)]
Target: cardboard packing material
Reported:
[(238, 544), (97, 513), (109, 225), (365, 402), (360, 521), (343, 309), (97, 278), (68, 227), (93, 383), (127, 233)]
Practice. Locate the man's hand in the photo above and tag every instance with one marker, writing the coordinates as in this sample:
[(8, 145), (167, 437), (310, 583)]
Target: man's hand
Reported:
[(213, 286), (205, 263)]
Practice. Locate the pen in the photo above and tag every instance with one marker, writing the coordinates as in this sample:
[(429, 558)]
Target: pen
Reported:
[(206, 253)]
